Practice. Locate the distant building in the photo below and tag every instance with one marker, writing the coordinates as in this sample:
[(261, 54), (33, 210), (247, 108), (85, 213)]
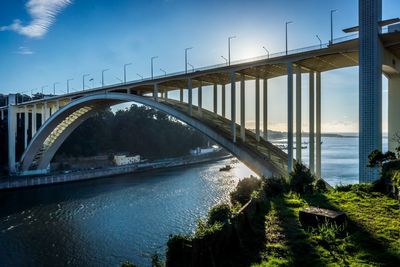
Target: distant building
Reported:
[(121, 160), (202, 151)]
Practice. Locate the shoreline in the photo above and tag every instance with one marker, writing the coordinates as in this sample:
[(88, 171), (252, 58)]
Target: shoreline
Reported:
[(14, 183)]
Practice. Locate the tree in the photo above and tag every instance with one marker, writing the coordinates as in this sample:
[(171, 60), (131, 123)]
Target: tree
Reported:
[(301, 178), (377, 158)]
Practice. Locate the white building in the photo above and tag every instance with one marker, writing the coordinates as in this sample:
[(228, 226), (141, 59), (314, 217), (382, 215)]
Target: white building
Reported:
[(202, 151), (121, 160)]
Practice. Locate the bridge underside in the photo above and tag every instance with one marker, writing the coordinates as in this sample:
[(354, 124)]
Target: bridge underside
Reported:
[(262, 157)]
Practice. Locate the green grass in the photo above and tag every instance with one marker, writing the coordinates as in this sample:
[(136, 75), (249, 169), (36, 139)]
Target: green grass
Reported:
[(371, 236)]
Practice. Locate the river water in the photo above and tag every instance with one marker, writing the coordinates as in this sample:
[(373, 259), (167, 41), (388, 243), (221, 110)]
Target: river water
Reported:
[(104, 222)]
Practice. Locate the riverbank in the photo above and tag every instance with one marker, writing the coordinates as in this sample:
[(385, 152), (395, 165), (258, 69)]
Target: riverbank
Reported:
[(11, 183)]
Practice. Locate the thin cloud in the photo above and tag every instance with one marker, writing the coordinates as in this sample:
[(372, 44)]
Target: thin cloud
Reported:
[(23, 50), (43, 14)]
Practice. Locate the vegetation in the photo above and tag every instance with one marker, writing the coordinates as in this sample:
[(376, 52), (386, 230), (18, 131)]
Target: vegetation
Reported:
[(244, 189), (301, 179), (138, 129)]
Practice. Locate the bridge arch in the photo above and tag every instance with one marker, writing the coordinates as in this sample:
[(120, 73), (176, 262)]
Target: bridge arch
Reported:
[(57, 128)]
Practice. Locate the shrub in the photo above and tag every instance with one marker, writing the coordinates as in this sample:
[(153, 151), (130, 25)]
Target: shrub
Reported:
[(127, 264), (203, 229), (274, 186), (320, 186), (220, 213), (244, 189), (156, 261), (301, 179), (343, 188), (178, 246)]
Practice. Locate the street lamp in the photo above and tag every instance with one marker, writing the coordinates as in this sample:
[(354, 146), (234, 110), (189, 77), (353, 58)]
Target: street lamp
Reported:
[(320, 42), (102, 77), (141, 77), (287, 22), (165, 73), (332, 11), (92, 80), (125, 65), (229, 48), (83, 81), (226, 60), (68, 85), (152, 59), (191, 66), (266, 50), (186, 63), (54, 88)]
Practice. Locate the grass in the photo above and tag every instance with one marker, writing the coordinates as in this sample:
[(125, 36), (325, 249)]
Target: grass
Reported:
[(371, 236)]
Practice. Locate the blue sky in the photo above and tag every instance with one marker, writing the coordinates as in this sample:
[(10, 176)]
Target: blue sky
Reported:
[(85, 36)]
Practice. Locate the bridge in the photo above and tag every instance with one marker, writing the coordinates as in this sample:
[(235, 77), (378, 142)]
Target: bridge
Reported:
[(47, 122)]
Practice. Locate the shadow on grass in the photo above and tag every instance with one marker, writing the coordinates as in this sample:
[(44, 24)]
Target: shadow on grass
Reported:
[(370, 249), (301, 252)]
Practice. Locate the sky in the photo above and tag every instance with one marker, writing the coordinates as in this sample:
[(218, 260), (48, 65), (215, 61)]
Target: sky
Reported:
[(49, 41)]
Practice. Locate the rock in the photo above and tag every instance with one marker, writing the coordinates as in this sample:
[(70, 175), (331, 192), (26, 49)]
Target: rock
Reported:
[(313, 216)]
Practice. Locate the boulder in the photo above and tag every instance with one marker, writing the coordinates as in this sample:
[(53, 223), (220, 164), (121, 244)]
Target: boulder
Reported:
[(313, 216)]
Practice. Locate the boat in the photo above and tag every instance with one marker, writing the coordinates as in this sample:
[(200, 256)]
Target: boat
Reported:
[(225, 169)]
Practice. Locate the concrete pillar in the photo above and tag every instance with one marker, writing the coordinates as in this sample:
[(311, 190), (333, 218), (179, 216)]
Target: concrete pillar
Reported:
[(242, 108), (290, 116), (265, 109), (166, 94), (42, 112), (181, 95), (233, 106), (298, 113), (318, 124), (26, 122), (12, 134), (370, 83), (223, 100), (200, 98), (258, 109), (311, 141), (215, 98), (34, 124), (393, 112), (190, 95), (155, 91), (2, 114)]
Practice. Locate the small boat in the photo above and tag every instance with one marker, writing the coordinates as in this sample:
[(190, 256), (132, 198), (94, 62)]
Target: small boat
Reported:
[(225, 169)]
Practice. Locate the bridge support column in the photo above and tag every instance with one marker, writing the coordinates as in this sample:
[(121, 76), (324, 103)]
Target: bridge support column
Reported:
[(290, 116), (298, 113), (166, 94), (12, 133), (242, 108), (181, 95), (311, 140), (370, 83), (394, 111), (265, 109), (2, 114), (200, 99), (258, 109), (215, 98), (26, 123), (155, 91), (190, 96), (233, 106), (34, 116), (42, 112), (223, 100), (47, 111), (318, 125)]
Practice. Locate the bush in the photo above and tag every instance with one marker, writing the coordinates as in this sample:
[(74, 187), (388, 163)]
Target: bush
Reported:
[(220, 213), (244, 189), (204, 229), (127, 264), (320, 186), (178, 248), (274, 186), (301, 179)]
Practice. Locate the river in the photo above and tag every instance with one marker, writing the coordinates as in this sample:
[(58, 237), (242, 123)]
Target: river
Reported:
[(106, 221)]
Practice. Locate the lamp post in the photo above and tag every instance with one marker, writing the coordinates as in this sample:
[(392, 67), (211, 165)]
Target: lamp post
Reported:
[(141, 77), (102, 77), (152, 59), (287, 23), (266, 51), (186, 63), (165, 73), (191, 66), (320, 42), (54, 88), (332, 11), (226, 60), (92, 80), (125, 65), (229, 48), (83, 81), (68, 85)]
